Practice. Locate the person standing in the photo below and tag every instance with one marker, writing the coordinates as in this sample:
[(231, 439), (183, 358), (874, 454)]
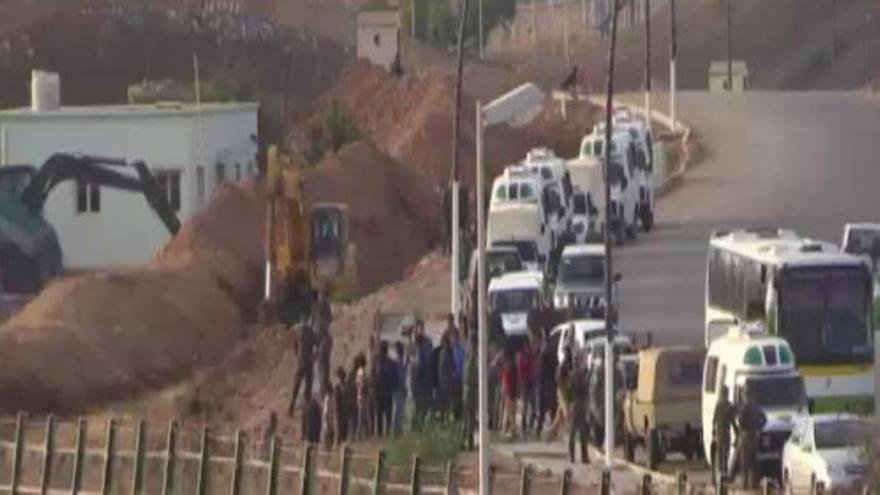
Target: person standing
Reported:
[(304, 346), (525, 380), (469, 393), (546, 385), (312, 421), (400, 392), (420, 374), (323, 349), (341, 406), (723, 420), (751, 421), (563, 373), (459, 354), (579, 423), (386, 378), (509, 391), (445, 377)]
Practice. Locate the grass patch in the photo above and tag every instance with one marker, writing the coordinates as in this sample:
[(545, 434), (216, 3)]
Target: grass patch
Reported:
[(436, 443)]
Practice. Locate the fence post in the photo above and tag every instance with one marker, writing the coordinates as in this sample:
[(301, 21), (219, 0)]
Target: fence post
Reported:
[(414, 485), (525, 481), (19, 452), (76, 482), (646, 484), (235, 488), (377, 476), (47, 455), (110, 440), (681, 483), (137, 476), (272, 482), (450, 478), (564, 487), (168, 476), (202, 480), (306, 478), (344, 470)]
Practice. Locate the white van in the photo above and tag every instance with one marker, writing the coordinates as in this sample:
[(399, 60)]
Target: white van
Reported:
[(520, 225), (744, 359), (643, 175), (551, 172), (624, 192), (513, 296), (588, 202)]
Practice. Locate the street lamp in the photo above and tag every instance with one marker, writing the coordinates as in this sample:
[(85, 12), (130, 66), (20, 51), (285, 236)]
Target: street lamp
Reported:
[(648, 62), (455, 253), (729, 52), (673, 48), (482, 324)]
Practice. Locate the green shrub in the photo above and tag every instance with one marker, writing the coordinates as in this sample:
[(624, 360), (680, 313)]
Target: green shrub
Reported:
[(435, 443)]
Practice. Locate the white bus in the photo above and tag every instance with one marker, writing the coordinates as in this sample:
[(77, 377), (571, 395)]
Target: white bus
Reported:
[(808, 292)]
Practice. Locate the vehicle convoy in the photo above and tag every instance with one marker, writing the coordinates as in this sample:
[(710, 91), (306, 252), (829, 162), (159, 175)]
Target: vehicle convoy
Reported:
[(513, 299), (556, 189), (747, 360), (580, 281), (624, 193), (30, 253), (661, 408), (807, 292), (305, 252), (829, 450)]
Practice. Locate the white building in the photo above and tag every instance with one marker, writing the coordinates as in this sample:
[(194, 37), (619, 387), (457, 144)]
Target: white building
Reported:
[(718, 76), (189, 150), (378, 36)]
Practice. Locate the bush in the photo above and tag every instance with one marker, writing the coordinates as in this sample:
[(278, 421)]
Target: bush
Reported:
[(336, 132), (435, 443)]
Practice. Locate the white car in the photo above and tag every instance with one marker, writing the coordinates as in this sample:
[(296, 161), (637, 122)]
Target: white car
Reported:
[(827, 449), (576, 333)]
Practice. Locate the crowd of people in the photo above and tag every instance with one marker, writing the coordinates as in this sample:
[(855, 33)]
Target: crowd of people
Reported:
[(405, 385)]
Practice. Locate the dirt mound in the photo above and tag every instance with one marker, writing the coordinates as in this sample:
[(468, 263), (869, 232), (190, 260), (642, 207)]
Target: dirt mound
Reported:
[(394, 211), (562, 135), (103, 336), (410, 118)]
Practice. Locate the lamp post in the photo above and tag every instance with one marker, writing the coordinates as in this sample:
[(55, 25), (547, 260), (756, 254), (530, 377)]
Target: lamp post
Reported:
[(673, 48)]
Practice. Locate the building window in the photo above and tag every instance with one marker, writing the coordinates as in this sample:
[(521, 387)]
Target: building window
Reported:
[(88, 197), (200, 184), (169, 183), (220, 173)]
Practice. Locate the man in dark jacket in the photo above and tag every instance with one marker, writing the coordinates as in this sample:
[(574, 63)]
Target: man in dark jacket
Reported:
[(304, 346), (386, 383), (723, 420), (751, 420)]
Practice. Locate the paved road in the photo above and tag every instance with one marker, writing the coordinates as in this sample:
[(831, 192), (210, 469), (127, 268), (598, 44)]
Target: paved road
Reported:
[(808, 161)]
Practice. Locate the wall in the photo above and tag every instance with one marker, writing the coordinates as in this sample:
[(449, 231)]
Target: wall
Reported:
[(126, 230), (384, 53)]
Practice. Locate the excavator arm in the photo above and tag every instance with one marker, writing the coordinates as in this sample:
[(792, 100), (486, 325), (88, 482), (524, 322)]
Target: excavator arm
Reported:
[(98, 170)]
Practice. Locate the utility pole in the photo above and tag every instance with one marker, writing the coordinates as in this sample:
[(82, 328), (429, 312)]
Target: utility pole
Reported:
[(729, 51), (609, 299), (648, 62), (453, 177), (482, 324), (833, 33), (534, 26), (868, 38), (673, 48), (412, 18), (565, 51), (584, 18), (480, 31)]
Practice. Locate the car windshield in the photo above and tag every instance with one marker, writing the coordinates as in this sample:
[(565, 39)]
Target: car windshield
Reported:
[(528, 250), (825, 314), (840, 434), (777, 391), (513, 300), (582, 268), (501, 262)]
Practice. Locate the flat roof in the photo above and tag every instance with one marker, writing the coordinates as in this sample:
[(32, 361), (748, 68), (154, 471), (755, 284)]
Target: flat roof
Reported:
[(172, 108)]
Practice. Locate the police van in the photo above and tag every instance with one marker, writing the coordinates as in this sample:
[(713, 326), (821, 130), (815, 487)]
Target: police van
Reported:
[(513, 297), (745, 360)]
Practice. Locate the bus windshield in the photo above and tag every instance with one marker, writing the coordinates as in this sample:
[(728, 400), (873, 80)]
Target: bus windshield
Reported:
[(824, 314)]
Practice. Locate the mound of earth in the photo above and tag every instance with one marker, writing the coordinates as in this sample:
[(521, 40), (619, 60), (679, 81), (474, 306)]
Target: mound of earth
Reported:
[(102, 336), (410, 118)]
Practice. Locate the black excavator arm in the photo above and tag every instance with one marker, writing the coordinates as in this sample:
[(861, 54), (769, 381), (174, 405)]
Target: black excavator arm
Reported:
[(98, 170)]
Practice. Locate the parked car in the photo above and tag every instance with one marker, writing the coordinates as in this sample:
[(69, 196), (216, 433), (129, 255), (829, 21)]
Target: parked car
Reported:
[(828, 450), (661, 407)]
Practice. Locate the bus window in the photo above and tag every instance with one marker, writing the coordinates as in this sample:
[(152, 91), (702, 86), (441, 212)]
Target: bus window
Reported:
[(711, 375)]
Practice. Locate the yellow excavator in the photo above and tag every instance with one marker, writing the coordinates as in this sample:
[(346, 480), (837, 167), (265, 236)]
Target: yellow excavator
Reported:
[(306, 251)]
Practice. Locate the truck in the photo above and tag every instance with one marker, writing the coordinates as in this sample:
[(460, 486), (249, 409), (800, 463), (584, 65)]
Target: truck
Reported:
[(745, 360), (520, 225), (661, 408), (624, 198)]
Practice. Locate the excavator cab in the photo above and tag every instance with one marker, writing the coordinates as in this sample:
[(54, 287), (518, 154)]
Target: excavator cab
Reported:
[(329, 240)]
